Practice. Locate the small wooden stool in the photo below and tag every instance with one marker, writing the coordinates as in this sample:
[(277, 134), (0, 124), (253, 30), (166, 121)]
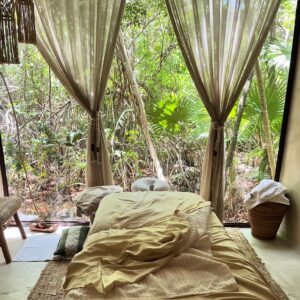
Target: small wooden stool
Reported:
[(8, 209)]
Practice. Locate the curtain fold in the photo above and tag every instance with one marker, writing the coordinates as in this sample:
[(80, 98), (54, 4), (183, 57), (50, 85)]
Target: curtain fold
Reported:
[(220, 41), (77, 40)]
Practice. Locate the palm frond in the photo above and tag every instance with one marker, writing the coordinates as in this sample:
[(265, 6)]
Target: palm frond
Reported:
[(278, 55), (275, 89)]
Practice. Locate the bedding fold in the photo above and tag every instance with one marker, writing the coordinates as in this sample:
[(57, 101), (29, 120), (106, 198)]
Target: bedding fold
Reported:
[(120, 256), (157, 247)]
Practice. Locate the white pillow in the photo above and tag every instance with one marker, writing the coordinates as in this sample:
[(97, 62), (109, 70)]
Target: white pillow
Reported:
[(149, 184)]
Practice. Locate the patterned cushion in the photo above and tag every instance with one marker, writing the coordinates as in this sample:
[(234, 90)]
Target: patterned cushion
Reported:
[(8, 206), (71, 242)]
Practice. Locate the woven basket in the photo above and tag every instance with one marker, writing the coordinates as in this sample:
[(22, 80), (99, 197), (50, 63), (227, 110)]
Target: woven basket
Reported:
[(265, 219)]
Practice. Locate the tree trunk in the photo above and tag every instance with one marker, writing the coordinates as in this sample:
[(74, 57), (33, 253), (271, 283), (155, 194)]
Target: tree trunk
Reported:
[(50, 97), (122, 53), (267, 137), (239, 114)]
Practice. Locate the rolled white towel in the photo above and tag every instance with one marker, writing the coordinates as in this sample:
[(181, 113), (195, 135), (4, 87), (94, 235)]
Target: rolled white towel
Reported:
[(149, 184)]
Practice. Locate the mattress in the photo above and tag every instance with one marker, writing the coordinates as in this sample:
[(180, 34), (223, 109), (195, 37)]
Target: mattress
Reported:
[(251, 285)]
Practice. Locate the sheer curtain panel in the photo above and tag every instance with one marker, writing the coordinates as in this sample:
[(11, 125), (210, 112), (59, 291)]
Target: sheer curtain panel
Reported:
[(77, 38), (220, 41)]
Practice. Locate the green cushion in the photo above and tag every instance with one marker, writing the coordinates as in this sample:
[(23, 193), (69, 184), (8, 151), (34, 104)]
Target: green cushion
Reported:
[(71, 242)]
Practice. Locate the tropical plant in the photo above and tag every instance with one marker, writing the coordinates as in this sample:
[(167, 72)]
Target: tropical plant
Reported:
[(53, 128), (278, 55), (251, 131)]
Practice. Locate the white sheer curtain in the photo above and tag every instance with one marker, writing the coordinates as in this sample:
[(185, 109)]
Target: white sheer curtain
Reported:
[(220, 41), (77, 38)]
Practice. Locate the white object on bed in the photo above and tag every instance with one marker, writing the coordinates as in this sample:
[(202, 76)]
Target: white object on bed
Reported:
[(266, 191), (149, 184)]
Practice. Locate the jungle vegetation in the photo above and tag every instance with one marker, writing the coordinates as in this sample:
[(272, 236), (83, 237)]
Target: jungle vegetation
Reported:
[(153, 117)]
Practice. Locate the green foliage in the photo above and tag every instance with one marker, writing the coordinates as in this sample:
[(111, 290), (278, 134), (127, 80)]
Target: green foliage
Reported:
[(135, 13), (170, 115), (278, 55), (54, 128), (275, 88), (251, 130), (49, 124)]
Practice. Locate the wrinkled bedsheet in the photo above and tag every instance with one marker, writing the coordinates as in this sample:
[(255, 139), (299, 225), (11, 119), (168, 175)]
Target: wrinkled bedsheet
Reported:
[(157, 245)]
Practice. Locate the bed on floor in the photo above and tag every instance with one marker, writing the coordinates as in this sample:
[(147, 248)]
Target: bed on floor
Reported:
[(160, 245)]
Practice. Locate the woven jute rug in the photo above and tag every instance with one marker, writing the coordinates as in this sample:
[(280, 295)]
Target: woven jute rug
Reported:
[(245, 247), (49, 285)]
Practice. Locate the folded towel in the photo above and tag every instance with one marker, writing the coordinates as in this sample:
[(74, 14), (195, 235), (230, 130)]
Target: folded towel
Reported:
[(266, 190)]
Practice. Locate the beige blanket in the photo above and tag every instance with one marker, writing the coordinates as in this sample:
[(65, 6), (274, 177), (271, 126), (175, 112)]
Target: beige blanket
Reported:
[(125, 258)]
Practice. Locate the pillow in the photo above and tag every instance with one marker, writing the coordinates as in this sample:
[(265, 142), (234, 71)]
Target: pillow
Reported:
[(87, 201), (127, 207), (71, 242), (150, 184)]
